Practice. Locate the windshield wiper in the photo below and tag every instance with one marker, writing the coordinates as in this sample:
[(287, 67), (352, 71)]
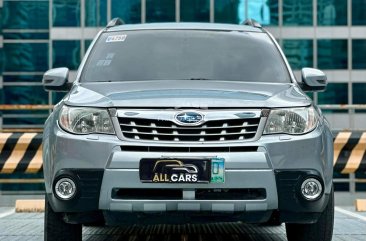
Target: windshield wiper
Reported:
[(198, 79), (102, 81)]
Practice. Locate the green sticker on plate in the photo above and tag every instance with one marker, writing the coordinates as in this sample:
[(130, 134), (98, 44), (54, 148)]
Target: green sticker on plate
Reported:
[(217, 170)]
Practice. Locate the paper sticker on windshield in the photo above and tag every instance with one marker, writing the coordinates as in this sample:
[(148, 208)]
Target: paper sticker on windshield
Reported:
[(116, 38)]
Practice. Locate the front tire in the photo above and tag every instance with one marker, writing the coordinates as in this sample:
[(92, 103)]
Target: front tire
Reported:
[(56, 229), (321, 230)]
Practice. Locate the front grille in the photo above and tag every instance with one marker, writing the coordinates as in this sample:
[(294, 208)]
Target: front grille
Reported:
[(212, 130)]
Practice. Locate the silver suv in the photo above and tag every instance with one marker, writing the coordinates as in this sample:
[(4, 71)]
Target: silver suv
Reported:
[(187, 123)]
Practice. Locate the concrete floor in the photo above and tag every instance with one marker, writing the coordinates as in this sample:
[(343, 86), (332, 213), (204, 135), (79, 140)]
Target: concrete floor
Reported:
[(349, 226)]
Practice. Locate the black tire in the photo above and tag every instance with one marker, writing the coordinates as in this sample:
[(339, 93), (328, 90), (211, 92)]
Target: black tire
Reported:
[(56, 229), (322, 230)]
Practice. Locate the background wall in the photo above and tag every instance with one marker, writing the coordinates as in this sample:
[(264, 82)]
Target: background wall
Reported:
[(41, 34)]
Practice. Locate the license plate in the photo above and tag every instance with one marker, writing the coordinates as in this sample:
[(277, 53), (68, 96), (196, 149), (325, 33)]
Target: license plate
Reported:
[(182, 170)]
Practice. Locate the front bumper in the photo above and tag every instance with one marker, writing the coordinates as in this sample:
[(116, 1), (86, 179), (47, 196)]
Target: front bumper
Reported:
[(274, 158), (235, 179), (290, 206)]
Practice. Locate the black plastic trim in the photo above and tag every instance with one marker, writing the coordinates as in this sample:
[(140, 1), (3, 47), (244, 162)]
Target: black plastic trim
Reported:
[(88, 183), (292, 205), (113, 218)]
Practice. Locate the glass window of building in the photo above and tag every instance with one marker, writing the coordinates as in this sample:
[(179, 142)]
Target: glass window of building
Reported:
[(229, 11), (95, 13), (87, 43), (13, 34), (66, 13), (1, 19), (297, 12), (1, 60), (25, 95), (359, 90), (310, 94), (358, 12), (29, 78), (15, 95), (160, 11), (195, 10), (299, 53), (57, 97), (360, 187), (128, 10), (32, 121), (66, 53), (25, 15), (332, 12), (358, 95), (336, 93), (25, 57), (263, 11), (332, 54), (340, 186), (359, 54)]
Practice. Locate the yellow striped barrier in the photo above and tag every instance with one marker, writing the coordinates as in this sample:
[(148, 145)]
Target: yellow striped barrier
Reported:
[(349, 152), (22, 152)]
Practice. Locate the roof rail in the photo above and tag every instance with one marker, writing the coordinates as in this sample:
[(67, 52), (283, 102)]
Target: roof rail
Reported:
[(252, 22), (115, 22)]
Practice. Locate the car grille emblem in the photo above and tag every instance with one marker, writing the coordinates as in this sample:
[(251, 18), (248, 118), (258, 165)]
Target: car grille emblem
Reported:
[(189, 118)]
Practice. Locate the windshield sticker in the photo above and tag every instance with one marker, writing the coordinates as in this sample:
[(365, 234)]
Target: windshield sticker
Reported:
[(116, 38), (103, 62), (110, 56), (107, 61)]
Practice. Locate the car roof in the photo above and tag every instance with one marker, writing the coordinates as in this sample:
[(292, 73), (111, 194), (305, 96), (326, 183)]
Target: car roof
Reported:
[(184, 26)]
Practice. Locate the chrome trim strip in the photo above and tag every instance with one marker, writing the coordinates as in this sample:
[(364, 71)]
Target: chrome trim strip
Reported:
[(202, 135), (188, 127)]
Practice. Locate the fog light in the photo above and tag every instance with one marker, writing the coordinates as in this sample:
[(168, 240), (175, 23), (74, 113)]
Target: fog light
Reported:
[(311, 189), (65, 188)]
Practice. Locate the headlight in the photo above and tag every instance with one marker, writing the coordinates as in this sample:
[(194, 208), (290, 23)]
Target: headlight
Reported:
[(291, 121), (79, 120)]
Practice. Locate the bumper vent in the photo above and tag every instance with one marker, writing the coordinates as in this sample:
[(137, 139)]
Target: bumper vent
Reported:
[(214, 130), (215, 149), (177, 194)]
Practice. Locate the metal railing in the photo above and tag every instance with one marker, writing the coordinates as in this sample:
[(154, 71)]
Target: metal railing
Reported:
[(24, 127), (343, 107)]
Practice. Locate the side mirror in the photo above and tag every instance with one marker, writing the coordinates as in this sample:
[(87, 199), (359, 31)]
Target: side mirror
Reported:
[(56, 80), (313, 80)]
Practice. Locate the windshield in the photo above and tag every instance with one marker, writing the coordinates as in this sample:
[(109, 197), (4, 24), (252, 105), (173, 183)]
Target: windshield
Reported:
[(185, 55)]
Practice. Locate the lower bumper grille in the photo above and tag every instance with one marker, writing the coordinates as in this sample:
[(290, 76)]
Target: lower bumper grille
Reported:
[(215, 149), (177, 194), (231, 194)]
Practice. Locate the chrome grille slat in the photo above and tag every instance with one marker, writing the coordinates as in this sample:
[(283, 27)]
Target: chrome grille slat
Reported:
[(173, 134), (184, 127), (212, 130)]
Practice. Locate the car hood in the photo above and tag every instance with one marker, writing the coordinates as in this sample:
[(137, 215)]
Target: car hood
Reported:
[(186, 94)]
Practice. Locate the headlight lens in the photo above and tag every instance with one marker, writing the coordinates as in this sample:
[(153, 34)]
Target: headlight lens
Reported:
[(291, 121), (85, 120)]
